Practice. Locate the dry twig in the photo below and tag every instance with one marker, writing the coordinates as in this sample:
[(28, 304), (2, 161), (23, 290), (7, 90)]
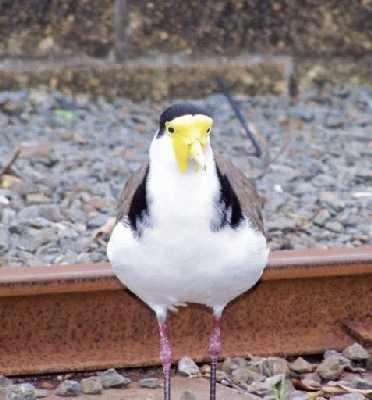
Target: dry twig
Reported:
[(7, 167)]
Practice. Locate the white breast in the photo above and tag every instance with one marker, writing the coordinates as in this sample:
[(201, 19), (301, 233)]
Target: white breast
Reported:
[(178, 259)]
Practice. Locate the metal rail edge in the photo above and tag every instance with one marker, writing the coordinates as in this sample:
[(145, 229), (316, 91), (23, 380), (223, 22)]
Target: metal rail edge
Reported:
[(79, 317)]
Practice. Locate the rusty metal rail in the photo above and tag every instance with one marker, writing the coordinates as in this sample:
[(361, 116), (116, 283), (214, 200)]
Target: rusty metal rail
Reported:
[(70, 318)]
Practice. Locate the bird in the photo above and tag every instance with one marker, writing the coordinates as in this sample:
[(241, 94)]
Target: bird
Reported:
[(189, 228)]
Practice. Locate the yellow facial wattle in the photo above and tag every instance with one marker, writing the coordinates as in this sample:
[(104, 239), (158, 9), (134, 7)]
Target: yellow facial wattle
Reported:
[(189, 134)]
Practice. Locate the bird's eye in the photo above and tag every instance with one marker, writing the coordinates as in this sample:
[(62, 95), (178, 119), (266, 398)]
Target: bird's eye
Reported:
[(209, 130), (171, 130)]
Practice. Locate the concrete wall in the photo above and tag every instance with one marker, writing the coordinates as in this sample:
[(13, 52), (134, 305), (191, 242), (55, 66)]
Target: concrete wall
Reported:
[(168, 48)]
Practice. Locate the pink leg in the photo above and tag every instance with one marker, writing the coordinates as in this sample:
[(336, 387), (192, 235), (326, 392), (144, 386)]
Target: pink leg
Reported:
[(214, 351), (166, 359)]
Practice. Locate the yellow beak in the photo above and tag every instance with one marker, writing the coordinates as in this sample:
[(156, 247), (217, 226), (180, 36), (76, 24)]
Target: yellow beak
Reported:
[(189, 139)]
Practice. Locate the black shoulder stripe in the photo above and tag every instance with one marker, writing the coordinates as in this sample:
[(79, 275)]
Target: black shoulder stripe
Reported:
[(231, 211), (138, 209)]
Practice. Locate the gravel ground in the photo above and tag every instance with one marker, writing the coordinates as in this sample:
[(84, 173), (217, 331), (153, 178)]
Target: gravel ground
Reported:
[(77, 153), (334, 376)]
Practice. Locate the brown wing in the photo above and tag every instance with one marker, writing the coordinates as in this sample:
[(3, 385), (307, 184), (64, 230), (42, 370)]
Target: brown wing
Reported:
[(130, 190), (250, 202)]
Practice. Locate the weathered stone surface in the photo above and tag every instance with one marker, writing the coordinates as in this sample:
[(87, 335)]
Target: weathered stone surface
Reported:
[(149, 383), (232, 363), (24, 391), (243, 375), (111, 378), (301, 366), (168, 78), (187, 395), (333, 71), (68, 388), (187, 367), (348, 396), (43, 28), (356, 352), (275, 366), (332, 367), (91, 385), (222, 27)]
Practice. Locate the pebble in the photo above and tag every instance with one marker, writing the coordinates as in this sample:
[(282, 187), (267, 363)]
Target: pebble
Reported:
[(24, 391), (334, 226), (244, 375), (91, 385), (187, 395), (321, 217), (41, 393), (4, 381), (68, 388), (150, 383), (301, 366), (78, 157), (298, 395), (356, 352), (4, 239), (187, 367), (273, 366), (331, 352), (348, 396), (312, 380), (332, 367), (112, 379), (231, 363)]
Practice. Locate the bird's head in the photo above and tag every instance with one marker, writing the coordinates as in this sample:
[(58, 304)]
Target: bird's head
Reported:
[(188, 128)]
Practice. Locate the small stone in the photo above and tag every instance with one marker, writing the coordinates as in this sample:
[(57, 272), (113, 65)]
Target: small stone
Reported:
[(245, 375), (112, 379), (24, 391), (187, 395), (348, 396), (275, 366), (4, 381), (282, 224), (334, 121), (205, 369), (271, 384), (51, 213), (329, 353), (301, 366), (332, 367), (68, 388), (150, 383), (369, 364), (187, 367), (47, 385), (222, 377), (362, 383), (298, 395), (12, 103), (332, 200), (313, 380), (37, 198), (4, 240), (91, 385), (41, 393), (334, 226), (356, 352), (97, 221), (321, 217), (231, 363)]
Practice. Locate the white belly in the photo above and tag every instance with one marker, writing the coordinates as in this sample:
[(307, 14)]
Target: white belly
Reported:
[(169, 268)]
